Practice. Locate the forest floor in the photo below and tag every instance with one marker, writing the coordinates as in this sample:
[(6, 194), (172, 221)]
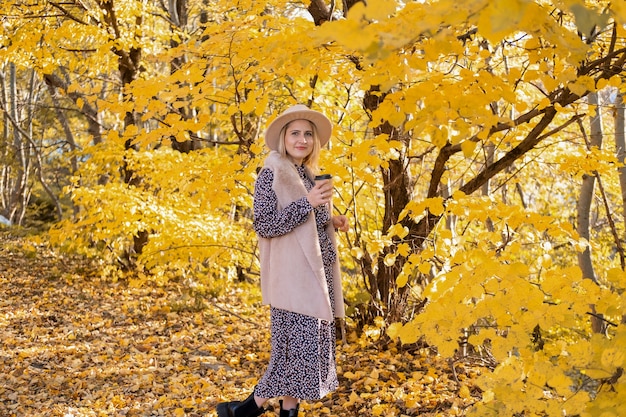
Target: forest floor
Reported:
[(76, 344)]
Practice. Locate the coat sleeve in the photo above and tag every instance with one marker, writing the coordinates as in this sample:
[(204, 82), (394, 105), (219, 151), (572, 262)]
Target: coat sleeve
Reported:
[(269, 220)]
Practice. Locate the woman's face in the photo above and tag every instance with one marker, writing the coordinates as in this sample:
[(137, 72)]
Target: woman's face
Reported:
[(299, 140)]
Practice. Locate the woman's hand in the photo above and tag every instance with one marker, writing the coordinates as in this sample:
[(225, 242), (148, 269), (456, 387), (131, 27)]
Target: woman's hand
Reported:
[(321, 193), (341, 223)]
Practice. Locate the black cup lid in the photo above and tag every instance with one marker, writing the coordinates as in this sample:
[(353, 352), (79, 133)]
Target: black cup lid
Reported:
[(323, 177)]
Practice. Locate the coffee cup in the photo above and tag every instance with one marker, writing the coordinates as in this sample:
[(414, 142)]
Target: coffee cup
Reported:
[(323, 177)]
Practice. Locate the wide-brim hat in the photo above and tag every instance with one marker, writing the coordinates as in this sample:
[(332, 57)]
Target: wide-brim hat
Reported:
[(322, 124)]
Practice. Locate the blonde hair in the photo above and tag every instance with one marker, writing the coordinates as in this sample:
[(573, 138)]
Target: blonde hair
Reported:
[(311, 160)]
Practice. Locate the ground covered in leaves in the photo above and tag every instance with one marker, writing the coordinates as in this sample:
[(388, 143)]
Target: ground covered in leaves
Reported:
[(77, 344)]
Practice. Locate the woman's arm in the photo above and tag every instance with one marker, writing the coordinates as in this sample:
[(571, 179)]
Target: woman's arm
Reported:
[(268, 220)]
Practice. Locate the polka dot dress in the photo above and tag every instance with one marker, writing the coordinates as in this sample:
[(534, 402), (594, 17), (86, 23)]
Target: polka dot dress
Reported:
[(302, 362)]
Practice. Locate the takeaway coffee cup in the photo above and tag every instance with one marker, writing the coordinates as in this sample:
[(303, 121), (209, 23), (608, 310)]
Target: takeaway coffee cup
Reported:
[(323, 177)]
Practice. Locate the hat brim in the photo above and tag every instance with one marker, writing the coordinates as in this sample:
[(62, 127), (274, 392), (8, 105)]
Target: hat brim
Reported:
[(322, 124)]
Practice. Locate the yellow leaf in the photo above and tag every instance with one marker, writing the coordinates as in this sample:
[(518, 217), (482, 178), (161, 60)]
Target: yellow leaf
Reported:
[(378, 409), (398, 230), (357, 252), (409, 333), (390, 259), (602, 83), (439, 137), (582, 85), (404, 249), (232, 109), (248, 106), (182, 136), (482, 135), (402, 279), (596, 373), (445, 234), (616, 81), (612, 358), (560, 382), (356, 12), (545, 102), (468, 146), (412, 208), (424, 267), (587, 20), (447, 348), (576, 402), (352, 400), (500, 18), (377, 9), (435, 205), (617, 277), (251, 102), (464, 392), (393, 330)]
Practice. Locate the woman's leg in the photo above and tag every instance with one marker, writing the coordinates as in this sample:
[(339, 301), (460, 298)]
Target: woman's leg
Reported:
[(289, 407), (289, 403), (260, 401)]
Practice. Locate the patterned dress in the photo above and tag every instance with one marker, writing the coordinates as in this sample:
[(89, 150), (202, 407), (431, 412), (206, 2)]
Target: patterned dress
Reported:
[(302, 362)]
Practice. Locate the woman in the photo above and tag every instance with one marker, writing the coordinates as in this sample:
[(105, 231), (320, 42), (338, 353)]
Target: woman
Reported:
[(300, 277)]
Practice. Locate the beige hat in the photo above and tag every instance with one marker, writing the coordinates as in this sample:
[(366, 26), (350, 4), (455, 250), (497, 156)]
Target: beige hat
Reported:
[(299, 111)]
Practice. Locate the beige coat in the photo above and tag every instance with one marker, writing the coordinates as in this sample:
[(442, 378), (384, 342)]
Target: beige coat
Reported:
[(292, 272)]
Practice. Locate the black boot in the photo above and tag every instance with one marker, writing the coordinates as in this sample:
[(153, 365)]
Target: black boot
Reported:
[(288, 413), (246, 408)]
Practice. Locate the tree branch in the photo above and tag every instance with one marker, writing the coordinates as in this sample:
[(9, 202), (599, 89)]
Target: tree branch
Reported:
[(67, 14)]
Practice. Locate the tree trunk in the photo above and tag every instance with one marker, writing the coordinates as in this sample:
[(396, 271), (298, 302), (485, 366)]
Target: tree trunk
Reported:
[(587, 192), (620, 146), (7, 156), (31, 149), (179, 15), (129, 66), (486, 188), (65, 124), (388, 299), (17, 151), (92, 117), (584, 208)]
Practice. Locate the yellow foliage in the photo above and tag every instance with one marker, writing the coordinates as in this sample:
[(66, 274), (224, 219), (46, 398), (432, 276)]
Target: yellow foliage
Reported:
[(500, 18)]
